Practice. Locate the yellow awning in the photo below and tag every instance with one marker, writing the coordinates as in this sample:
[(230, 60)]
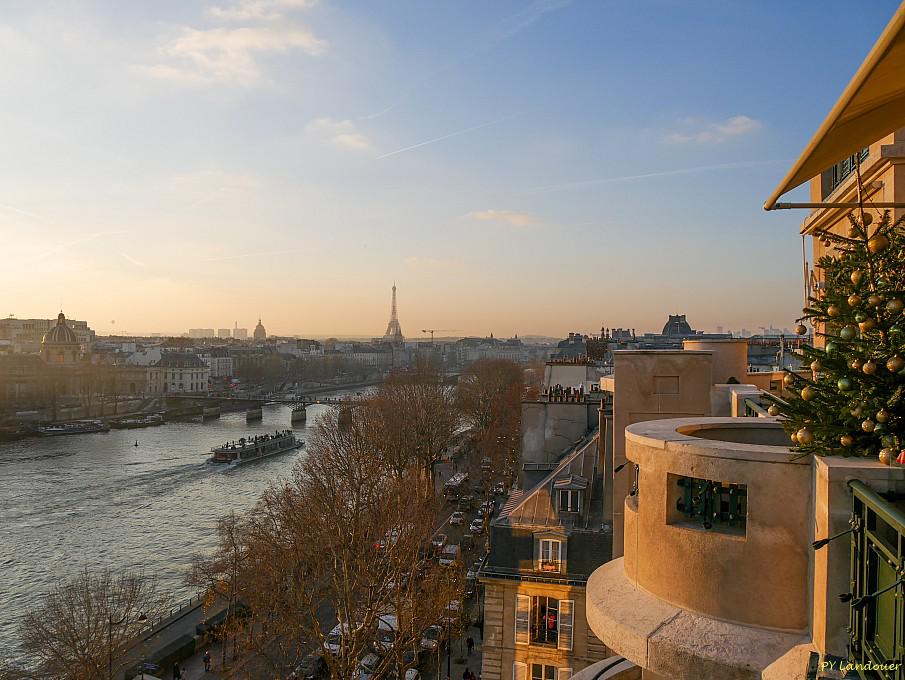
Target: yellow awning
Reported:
[(873, 105)]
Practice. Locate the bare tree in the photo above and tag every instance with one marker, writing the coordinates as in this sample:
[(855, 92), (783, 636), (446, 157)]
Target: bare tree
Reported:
[(490, 390), (82, 628), (346, 540)]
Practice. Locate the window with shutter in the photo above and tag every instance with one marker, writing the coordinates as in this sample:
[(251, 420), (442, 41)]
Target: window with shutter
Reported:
[(519, 671), (566, 608), (564, 674), (522, 617)]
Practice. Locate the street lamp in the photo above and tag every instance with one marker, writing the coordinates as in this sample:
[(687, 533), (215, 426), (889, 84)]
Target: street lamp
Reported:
[(141, 619)]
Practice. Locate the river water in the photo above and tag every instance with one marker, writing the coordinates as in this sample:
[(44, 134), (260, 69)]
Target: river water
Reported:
[(97, 500)]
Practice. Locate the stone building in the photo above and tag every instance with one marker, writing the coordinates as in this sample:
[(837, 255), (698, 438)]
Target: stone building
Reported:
[(178, 372), (260, 333), (544, 545), (25, 335)]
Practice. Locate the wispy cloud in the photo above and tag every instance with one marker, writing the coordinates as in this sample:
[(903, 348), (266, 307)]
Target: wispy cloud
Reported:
[(444, 137), (341, 133), (714, 132), (649, 175), (258, 10), (228, 55), (512, 218)]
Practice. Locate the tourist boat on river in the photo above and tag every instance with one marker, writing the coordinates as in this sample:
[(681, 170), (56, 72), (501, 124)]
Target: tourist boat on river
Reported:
[(248, 449), (80, 427)]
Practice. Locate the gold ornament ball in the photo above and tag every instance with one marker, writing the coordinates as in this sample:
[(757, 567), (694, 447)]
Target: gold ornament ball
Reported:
[(895, 306), (773, 410), (816, 365), (878, 243), (854, 300), (882, 416), (788, 380), (885, 456), (856, 364), (867, 325), (794, 437), (801, 329), (846, 440), (866, 219), (857, 412), (874, 300), (895, 364), (853, 232), (808, 393), (804, 436), (856, 276), (867, 425), (832, 310), (869, 368)]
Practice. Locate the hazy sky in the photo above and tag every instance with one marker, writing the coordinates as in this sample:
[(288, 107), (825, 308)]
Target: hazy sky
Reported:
[(515, 167)]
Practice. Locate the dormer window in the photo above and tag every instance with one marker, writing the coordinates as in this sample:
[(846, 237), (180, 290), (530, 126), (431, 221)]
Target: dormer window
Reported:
[(569, 490), (569, 500), (550, 554)]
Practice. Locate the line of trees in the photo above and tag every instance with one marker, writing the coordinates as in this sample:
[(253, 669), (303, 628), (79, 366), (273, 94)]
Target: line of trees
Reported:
[(345, 538)]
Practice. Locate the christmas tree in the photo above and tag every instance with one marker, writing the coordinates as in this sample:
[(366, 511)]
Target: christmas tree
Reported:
[(853, 401)]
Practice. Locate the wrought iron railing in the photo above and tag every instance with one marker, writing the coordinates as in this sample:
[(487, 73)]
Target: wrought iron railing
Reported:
[(877, 608), (716, 505)]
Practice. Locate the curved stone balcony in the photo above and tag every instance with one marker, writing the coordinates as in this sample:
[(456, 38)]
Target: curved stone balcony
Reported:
[(721, 591)]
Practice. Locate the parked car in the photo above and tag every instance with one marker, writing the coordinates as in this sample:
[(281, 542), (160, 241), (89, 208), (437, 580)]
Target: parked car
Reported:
[(482, 511), (385, 637), (430, 638), (457, 518), (335, 638), (312, 667), (476, 527), (412, 656), (438, 541), (467, 542), (450, 554), (467, 500), (367, 667)]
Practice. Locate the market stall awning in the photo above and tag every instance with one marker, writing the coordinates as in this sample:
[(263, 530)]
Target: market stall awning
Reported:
[(873, 105)]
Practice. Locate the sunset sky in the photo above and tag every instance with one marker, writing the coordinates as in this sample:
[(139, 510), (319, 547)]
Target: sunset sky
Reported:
[(516, 167)]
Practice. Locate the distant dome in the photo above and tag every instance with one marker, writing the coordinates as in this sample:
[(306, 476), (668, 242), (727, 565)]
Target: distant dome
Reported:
[(61, 334), (260, 333)]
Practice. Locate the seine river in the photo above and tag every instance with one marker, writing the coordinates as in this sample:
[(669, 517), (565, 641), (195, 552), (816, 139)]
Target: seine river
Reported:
[(97, 500)]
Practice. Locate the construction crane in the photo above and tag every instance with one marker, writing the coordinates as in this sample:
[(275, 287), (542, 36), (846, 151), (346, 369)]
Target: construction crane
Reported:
[(438, 330)]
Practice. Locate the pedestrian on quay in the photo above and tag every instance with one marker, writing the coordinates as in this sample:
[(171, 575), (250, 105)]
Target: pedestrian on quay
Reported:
[(470, 644), (466, 674), (207, 661), (177, 674), (185, 674)]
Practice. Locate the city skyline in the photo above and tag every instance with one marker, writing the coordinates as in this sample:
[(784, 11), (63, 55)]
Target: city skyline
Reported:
[(172, 165)]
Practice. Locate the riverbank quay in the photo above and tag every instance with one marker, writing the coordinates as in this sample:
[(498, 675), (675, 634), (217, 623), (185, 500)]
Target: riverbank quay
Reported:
[(177, 638)]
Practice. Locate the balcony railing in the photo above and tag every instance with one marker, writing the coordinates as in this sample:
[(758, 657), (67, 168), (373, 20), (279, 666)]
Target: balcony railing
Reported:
[(877, 609), (714, 504)]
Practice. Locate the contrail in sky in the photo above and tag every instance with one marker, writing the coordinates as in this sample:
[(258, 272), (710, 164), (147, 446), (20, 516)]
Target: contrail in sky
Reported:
[(440, 139), (131, 259), (649, 175), (503, 30), (244, 255), (63, 246), (19, 211)]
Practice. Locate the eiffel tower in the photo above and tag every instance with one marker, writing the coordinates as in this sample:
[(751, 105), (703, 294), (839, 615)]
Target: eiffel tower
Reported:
[(394, 330)]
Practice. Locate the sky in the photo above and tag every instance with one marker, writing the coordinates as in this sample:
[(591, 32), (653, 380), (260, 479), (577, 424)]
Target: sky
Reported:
[(531, 167)]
